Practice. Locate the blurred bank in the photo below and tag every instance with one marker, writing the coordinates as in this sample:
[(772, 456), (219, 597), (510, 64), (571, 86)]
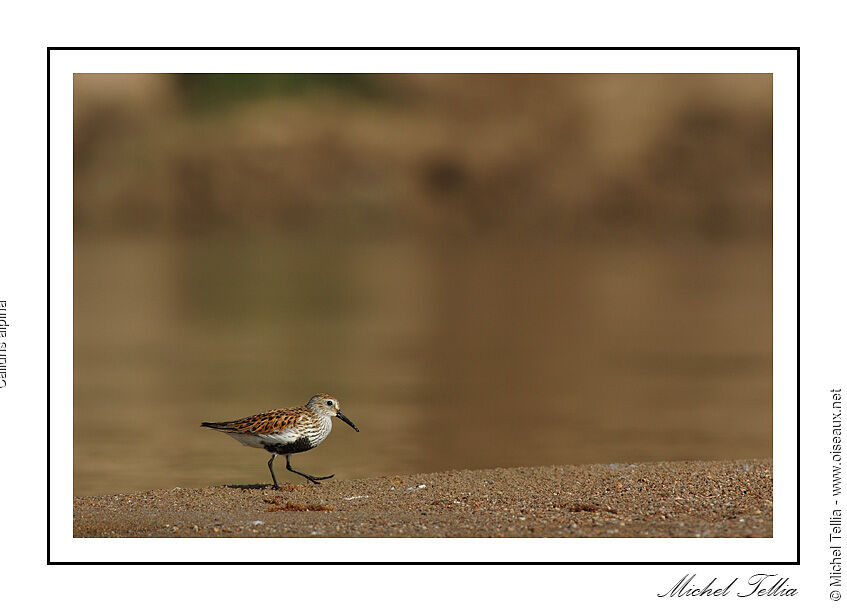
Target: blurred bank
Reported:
[(576, 156)]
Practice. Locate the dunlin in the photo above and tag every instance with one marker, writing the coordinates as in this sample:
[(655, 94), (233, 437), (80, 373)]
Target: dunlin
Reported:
[(286, 431)]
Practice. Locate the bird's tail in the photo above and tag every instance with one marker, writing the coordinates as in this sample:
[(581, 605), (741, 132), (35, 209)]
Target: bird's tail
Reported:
[(221, 426)]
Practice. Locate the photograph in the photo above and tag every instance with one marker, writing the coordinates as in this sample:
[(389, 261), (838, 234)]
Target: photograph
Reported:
[(468, 308), (423, 304)]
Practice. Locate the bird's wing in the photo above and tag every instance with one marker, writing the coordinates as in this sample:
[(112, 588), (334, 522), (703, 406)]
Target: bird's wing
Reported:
[(266, 423)]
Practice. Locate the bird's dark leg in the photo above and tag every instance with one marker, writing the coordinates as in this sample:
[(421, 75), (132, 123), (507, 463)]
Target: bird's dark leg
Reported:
[(313, 479), (271, 468)]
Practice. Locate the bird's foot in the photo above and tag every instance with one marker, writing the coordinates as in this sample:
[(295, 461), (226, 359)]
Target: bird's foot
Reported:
[(317, 479)]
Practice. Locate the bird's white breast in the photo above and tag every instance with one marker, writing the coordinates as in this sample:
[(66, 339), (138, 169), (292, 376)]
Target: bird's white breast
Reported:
[(315, 430)]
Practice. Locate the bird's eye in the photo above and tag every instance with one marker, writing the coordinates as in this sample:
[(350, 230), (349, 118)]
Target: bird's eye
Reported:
[(329, 403)]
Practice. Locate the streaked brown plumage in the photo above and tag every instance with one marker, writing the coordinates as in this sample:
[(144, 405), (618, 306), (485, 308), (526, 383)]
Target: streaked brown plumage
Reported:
[(265, 423)]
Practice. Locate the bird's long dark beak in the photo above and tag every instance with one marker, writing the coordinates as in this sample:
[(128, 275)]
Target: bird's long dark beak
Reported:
[(341, 416)]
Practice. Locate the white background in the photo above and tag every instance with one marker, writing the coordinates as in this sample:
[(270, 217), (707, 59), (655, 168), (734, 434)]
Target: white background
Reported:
[(23, 283)]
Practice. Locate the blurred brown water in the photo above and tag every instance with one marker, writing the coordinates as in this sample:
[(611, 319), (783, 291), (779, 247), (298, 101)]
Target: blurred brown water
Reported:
[(487, 270), (447, 354)]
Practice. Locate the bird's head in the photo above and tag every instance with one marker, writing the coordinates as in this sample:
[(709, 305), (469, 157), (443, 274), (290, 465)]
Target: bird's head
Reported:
[(328, 405)]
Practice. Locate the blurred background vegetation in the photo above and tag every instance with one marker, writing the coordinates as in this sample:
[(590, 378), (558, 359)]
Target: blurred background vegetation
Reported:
[(587, 156), (488, 270)]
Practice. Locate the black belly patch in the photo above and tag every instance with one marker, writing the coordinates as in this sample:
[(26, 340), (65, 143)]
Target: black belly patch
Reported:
[(298, 446)]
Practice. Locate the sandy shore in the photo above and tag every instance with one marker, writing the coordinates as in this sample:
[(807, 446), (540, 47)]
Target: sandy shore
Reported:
[(679, 499)]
